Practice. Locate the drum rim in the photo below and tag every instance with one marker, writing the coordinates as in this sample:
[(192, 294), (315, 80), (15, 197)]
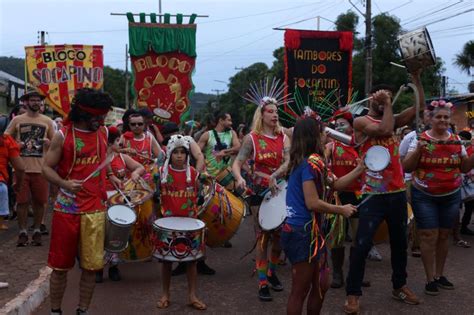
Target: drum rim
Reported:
[(387, 154), (109, 219), (283, 183), (168, 229)]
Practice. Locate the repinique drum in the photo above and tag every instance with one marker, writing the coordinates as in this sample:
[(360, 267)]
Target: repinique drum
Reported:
[(120, 220), (417, 50), (223, 213), (179, 239), (381, 235), (377, 158), (272, 211), (226, 178)]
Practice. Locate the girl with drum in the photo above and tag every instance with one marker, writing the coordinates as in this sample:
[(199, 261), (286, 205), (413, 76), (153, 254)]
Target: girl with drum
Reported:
[(179, 196), (121, 168), (303, 238), (268, 147), (436, 159)]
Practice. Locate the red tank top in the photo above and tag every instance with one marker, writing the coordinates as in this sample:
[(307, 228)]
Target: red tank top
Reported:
[(391, 179), (83, 152), (142, 146), (119, 168), (438, 170), (343, 161), (268, 155), (179, 198)]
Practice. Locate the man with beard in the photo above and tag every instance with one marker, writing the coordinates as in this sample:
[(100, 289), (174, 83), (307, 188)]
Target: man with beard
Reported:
[(78, 225), (219, 144), (33, 131), (385, 193)]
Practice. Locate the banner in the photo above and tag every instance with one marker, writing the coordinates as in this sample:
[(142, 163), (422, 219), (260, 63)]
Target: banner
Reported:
[(163, 58), (57, 71), (319, 64)]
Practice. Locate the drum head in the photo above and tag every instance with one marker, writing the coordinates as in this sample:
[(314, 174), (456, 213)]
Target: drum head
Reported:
[(272, 211), (121, 215), (377, 158), (162, 113), (179, 224), (136, 197)]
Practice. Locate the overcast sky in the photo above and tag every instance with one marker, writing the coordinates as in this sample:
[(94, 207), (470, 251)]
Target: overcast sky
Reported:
[(237, 33)]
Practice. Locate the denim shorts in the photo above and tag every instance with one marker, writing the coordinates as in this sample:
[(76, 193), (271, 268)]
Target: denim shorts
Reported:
[(435, 212), (4, 209), (296, 243)]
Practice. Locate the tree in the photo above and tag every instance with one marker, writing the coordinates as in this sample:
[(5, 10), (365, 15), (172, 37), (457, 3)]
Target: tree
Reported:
[(465, 61), (347, 22), (278, 67)]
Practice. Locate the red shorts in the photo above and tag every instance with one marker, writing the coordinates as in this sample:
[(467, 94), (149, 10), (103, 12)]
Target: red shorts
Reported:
[(34, 188), (77, 235)]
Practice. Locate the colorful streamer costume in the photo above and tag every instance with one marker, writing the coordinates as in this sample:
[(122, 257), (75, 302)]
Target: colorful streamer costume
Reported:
[(78, 225)]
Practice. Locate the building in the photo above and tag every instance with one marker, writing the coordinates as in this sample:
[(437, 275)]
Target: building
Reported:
[(11, 89)]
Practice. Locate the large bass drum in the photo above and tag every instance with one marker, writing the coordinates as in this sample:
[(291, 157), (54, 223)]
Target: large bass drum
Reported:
[(417, 50)]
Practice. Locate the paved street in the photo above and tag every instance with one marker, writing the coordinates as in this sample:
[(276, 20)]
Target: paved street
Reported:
[(234, 291)]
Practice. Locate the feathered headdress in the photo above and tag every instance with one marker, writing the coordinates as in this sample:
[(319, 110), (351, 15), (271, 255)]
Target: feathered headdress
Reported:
[(321, 109), (176, 141), (265, 92)]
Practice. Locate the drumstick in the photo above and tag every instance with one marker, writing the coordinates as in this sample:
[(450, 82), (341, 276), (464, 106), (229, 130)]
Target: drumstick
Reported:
[(129, 203), (107, 160), (364, 201)]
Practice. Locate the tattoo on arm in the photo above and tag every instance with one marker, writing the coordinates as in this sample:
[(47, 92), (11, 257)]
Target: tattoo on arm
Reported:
[(245, 150)]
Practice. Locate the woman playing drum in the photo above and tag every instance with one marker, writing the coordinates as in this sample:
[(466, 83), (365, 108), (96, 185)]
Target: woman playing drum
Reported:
[(302, 236), (268, 147), (436, 160)]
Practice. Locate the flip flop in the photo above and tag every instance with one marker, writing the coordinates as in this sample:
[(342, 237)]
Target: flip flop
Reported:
[(198, 305), (162, 304), (3, 227)]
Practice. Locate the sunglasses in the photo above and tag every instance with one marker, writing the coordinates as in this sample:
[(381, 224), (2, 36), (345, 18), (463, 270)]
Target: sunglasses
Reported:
[(136, 124)]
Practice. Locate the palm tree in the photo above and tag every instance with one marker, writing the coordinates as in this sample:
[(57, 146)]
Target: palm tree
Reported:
[(465, 61)]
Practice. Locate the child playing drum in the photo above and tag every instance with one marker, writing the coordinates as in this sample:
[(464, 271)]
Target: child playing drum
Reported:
[(179, 194)]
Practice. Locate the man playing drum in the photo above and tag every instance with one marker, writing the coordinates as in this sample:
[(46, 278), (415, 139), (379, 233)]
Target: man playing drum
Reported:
[(219, 145), (78, 151), (268, 147), (387, 195)]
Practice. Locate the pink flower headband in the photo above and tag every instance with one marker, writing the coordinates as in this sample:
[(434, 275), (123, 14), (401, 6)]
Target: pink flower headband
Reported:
[(440, 103)]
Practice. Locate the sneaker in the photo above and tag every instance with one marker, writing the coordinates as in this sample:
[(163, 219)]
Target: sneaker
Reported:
[(56, 312), (374, 254), (275, 283), (81, 312), (99, 276), (44, 230), (264, 293), (22, 240), (204, 269), (351, 306), (36, 239), (405, 295), (443, 283), (431, 288), (3, 285), (179, 270), (114, 274), (227, 244)]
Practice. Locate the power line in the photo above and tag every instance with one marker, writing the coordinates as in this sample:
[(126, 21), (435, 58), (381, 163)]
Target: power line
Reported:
[(448, 17), (398, 7), (417, 17)]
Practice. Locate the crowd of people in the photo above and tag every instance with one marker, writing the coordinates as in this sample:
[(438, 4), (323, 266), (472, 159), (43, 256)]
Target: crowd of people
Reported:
[(80, 167)]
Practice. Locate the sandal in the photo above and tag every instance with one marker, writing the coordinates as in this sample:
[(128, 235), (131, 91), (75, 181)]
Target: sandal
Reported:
[(198, 305), (463, 244), (3, 227), (162, 304)]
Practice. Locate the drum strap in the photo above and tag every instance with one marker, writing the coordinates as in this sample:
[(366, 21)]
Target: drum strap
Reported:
[(220, 145)]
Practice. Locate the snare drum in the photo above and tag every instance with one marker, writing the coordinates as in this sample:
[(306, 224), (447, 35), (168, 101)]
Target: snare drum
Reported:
[(272, 210), (223, 213), (120, 220), (137, 193), (226, 178), (179, 239), (377, 158), (417, 50)]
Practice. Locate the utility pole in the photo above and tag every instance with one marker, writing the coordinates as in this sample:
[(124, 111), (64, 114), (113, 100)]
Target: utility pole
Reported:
[(368, 46), (127, 79), (159, 10), (444, 84), (217, 92), (42, 38), (318, 19)]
